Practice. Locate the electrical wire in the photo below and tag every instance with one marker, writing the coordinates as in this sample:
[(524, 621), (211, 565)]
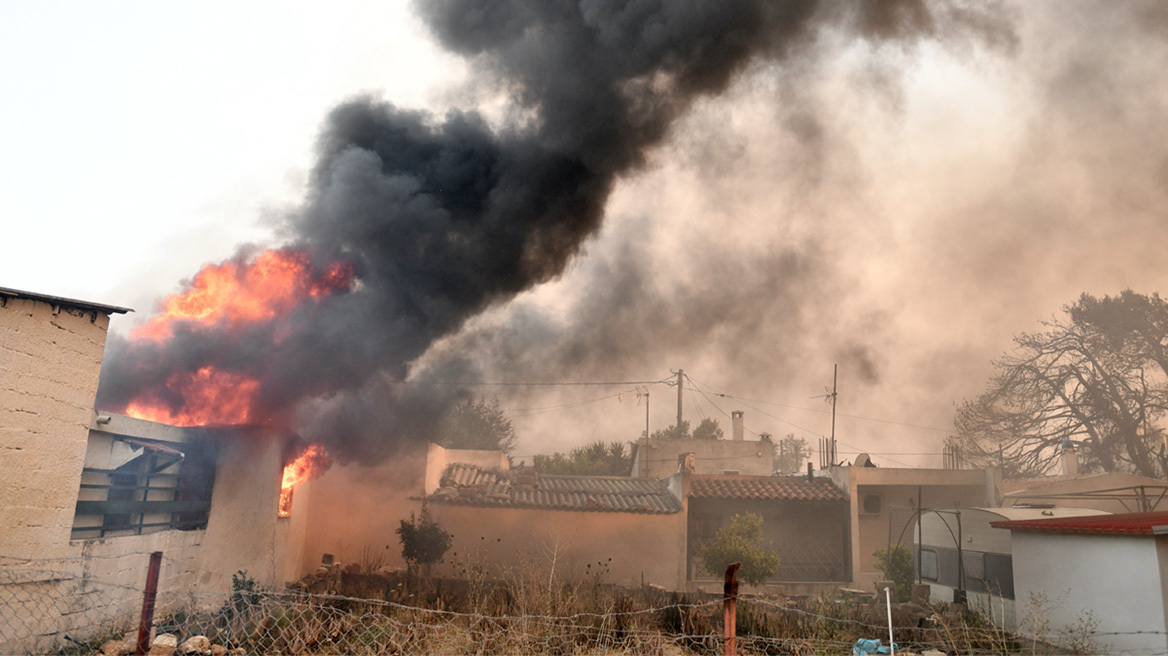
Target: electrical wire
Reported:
[(763, 412), (529, 412), (455, 383), (820, 411), (743, 399)]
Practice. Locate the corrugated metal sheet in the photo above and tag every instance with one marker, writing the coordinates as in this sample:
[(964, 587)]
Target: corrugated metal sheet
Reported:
[(792, 488), (470, 485)]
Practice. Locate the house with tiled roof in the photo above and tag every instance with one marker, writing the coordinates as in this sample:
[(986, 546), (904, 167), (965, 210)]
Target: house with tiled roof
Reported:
[(628, 530), (805, 520), (1110, 568), (637, 529)]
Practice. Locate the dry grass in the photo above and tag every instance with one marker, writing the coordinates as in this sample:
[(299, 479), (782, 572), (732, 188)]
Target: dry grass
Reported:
[(537, 609)]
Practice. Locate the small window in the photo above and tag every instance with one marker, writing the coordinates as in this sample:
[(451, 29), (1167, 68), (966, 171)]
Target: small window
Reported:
[(928, 564), (974, 563), (872, 504)]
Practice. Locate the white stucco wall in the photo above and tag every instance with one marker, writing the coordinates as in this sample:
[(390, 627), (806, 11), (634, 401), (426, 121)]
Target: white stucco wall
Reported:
[(1116, 579), (897, 489), (621, 548), (353, 510)]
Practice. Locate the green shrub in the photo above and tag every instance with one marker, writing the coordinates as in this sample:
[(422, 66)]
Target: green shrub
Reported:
[(423, 540), (896, 563), (740, 542)]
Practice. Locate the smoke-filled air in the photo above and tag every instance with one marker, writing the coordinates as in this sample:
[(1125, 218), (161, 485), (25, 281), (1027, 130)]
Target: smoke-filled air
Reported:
[(751, 191)]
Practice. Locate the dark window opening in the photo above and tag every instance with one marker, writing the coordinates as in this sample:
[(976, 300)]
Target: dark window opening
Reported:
[(160, 488), (928, 564), (872, 504)]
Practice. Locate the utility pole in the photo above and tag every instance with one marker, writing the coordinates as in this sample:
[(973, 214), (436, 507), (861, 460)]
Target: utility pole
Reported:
[(680, 374), (834, 394), (645, 455)]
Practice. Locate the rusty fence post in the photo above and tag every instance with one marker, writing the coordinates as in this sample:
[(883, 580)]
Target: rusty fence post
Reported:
[(148, 603), (730, 609)]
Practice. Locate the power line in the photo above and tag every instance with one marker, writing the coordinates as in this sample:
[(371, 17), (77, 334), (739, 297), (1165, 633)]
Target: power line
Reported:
[(824, 412), (456, 383), (528, 412), (763, 412), (699, 391)]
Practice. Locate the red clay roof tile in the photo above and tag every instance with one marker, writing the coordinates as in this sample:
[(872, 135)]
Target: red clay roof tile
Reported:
[(794, 488)]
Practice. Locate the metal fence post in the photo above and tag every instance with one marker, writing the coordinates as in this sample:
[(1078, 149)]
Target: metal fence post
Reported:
[(148, 603), (729, 608)]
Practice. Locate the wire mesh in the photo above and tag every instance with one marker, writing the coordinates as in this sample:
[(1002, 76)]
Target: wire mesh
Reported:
[(50, 607)]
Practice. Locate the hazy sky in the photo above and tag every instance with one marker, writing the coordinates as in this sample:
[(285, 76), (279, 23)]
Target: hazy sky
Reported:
[(899, 210)]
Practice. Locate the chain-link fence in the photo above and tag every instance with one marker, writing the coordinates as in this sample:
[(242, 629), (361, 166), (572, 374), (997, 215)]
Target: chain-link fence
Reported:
[(49, 607)]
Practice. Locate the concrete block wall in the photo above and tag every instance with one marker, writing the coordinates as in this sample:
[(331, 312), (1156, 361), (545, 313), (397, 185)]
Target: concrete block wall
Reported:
[(52, 586), (50, 359)]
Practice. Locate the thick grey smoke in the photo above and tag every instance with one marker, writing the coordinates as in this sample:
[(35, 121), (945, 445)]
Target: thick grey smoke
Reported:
[(934, 214), (444, 218)]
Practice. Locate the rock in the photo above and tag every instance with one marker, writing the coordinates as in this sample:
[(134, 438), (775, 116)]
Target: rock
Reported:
[(163, 645), (218, 650), (194, 645)]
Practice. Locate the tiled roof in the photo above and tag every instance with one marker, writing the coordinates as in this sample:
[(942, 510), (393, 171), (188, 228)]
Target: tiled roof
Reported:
[(1121, 524), (793, 488), (474, 486)]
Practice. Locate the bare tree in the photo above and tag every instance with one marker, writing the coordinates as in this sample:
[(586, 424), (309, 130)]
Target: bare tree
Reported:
[(1097, 378)]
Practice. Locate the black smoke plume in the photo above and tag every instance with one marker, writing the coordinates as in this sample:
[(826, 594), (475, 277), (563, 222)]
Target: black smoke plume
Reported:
[(445, 217)]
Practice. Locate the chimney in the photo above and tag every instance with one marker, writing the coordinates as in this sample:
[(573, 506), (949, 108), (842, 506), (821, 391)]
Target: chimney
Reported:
[(736, 421), (1070, 459)]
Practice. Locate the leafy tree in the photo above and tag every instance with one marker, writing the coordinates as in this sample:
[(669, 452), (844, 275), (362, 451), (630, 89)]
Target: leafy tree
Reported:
[(793, 452), (896, 563), (740, 542), (708, 429), (423, 540), (477, 424), (671, 432), (596, 459), (1098, 377)]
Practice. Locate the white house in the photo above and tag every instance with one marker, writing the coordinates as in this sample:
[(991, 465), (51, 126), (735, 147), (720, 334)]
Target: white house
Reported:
[(1109, 569), (959, 554)]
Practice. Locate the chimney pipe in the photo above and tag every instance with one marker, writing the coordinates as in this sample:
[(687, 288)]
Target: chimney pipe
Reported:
[(736, 420), (810, 472), (1070, 459)]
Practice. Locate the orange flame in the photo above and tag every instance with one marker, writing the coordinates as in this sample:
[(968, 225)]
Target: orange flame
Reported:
[(272, 284), (269, 286), (209, 396), (312, 463)]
